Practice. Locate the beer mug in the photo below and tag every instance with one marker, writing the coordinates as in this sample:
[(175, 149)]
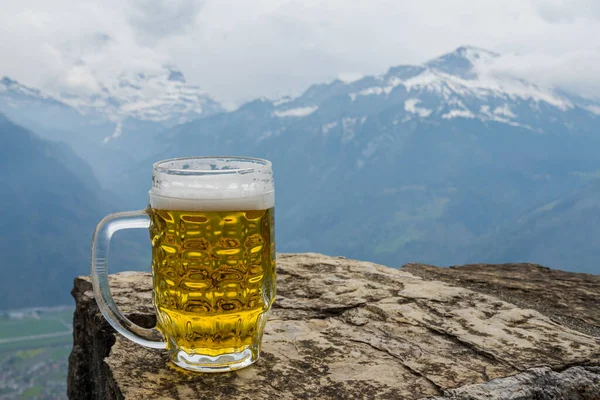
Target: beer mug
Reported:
[(211, 223)]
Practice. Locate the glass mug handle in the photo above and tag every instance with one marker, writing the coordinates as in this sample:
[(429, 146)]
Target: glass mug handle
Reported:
[(100, 244)]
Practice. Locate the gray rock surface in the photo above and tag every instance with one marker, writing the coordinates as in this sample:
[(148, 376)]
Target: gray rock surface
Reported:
[(346, 329), (576, 383), (570, 299)]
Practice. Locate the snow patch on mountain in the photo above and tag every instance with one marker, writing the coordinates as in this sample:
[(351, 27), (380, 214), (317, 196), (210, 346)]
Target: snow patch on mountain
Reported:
[(327, 127), (296, 112), (428, 79), (376, 90), (593, 109), (457, 113), (504, 111), (410, 106), (502, 115), (283, 100)]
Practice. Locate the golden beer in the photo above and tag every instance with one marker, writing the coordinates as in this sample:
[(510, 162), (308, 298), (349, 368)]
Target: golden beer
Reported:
[(214, 278), (213, 261)]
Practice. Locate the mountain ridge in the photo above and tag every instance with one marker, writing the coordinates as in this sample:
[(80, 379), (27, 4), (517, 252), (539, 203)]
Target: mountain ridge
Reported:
[(163, 97), (559, 232), (50, 211), (416, 164), (433, 77), (113, 128), (391, 171)]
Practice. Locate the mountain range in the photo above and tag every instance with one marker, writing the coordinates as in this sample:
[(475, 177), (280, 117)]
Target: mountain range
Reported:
[(112, 127), (49, 208), (430, 163), (445, 162)]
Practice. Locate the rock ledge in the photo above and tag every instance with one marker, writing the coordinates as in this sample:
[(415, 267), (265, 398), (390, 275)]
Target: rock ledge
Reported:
[(346, 329)]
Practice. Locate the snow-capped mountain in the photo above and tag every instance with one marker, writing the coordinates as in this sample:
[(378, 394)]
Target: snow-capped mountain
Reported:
[(456, 85), (162, 97), (422, 163), (114, 126), (436, 162)]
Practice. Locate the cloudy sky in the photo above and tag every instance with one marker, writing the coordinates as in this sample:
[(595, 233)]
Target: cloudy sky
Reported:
[(240, 49)]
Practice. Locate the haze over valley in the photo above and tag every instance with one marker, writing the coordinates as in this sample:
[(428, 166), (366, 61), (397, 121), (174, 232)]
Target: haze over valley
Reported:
[(445, 162)]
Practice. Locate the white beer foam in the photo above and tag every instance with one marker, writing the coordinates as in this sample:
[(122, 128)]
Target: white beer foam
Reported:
[(212, 184), (261, 202)]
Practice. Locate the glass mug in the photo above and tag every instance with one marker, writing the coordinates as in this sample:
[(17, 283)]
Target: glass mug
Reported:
[(211, 223)]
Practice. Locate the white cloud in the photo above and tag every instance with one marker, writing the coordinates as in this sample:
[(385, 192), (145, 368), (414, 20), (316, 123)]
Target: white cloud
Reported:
[(567, 11), (575, 71), (154, 20), (237, 50)]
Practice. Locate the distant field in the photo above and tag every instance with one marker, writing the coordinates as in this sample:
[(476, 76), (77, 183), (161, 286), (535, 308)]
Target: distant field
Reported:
[(15, 329), (63, 339), (34, 353), (50, 329)]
